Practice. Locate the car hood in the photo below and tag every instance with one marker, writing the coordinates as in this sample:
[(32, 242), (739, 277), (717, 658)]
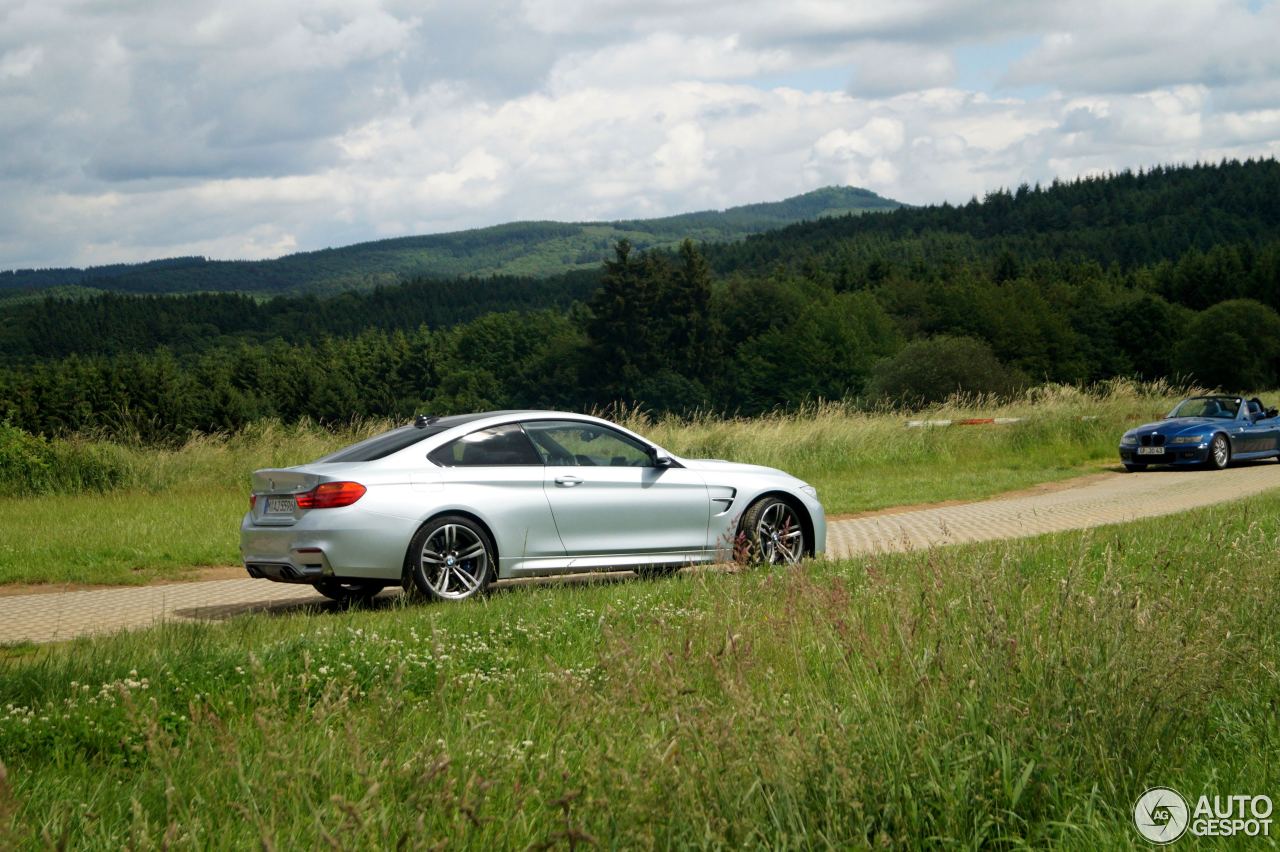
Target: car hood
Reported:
[(722, 466), (1180, 426)]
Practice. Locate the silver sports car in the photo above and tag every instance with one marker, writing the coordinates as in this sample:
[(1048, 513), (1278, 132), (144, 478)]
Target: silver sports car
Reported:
[(448, 504)]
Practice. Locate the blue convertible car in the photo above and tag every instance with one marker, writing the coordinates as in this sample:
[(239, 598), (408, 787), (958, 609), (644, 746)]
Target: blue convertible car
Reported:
[(1205, 430)]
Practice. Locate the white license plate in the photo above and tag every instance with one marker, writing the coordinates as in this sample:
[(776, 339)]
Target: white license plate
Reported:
[(1150, 451), (281, 505)]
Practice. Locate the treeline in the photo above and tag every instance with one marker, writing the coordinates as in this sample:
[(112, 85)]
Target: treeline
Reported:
[(666, 331), (1193, 235), (111, 324), (657, 333), (1126, 219)]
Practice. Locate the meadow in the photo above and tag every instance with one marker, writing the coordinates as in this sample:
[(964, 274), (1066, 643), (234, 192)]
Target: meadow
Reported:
[(162, 512), (1012, 694)]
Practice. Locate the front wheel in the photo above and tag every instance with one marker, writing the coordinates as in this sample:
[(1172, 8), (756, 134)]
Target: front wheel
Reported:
[(773, 532), (451, 558), (1219, 453), (349, 591)]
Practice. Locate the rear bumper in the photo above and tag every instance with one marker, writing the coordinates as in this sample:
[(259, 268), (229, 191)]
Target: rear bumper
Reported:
[(283, 572), (1172, 455), (322, 544)]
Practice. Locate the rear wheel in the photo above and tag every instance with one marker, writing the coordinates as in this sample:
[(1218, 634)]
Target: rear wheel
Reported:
[(774, 532), (451, 558), (350, 591), (1219, 453)]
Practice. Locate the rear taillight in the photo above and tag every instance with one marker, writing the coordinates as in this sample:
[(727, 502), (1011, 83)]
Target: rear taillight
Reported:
[(253, 501), (330, 495)]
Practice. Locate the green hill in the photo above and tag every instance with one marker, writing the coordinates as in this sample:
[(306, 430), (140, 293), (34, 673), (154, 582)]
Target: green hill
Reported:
[(1171, 272), (536, 249)]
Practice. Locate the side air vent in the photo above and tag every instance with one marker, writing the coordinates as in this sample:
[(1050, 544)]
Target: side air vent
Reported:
[(721, 498)]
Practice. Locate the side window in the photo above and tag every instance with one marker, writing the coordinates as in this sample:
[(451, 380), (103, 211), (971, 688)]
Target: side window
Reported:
[(585, 444), (499, 446)]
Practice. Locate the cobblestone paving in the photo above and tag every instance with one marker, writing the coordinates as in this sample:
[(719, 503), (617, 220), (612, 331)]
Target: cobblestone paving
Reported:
[(54, 616), (1112, 500)]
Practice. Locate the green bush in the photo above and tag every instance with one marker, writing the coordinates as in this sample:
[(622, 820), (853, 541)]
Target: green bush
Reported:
[(1234, 345), (31, 464), (929, 371)]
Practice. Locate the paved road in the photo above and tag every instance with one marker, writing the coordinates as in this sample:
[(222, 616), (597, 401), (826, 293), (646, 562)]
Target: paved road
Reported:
[(53, 616)]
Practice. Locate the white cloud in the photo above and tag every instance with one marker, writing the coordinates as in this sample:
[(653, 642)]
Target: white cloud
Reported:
[(682, 160), (244, 129), (1141, 45), (890, 69), (877, 136), (19, 62), (664, 57)]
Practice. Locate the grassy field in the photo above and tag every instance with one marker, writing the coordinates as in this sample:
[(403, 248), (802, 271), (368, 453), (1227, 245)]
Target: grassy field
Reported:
[(1010, 694), (177, 509)]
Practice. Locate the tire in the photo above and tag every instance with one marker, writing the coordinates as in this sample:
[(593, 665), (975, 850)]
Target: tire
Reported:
[(349, 592), (1134, 468), (451, 558), (773, 532), (1219, 453)]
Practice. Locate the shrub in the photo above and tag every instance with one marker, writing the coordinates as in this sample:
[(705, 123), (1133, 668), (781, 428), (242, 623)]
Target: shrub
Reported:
[(930, 371), (31, 464), (1234, 345)]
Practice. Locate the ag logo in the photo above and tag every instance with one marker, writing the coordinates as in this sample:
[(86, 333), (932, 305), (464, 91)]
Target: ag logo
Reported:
[(1161, 815)]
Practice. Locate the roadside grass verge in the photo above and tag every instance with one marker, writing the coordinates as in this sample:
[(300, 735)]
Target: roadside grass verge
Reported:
[(180, 508), (1008, 694)]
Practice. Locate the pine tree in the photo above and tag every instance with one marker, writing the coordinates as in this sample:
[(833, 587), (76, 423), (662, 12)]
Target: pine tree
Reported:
[(688, 305), (619, 331)]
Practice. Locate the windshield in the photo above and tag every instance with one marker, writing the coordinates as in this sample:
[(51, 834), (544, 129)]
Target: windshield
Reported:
[(1207, 406)]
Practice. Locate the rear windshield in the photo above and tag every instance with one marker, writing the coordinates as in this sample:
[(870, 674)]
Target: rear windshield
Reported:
[(381, 446)]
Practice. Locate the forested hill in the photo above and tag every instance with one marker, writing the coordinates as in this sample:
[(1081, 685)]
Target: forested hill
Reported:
[(1127, 219), (530, 249), (1172, 272)]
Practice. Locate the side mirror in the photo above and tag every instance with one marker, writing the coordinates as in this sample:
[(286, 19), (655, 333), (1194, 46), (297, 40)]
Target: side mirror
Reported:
[(660, 458)]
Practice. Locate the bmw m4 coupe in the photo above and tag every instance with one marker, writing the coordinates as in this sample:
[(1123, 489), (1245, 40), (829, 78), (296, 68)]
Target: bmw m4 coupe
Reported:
[(1208, 431), (447, 505)]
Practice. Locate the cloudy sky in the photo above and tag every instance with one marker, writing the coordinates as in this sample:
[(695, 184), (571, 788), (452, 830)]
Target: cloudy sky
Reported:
[(234, 129)]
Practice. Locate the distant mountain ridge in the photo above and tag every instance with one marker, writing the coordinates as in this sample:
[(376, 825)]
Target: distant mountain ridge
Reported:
[(533, 248)]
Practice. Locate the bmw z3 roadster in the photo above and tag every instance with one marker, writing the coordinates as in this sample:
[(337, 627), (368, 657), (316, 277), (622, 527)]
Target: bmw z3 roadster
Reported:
[(1208, 431), (447, 505)]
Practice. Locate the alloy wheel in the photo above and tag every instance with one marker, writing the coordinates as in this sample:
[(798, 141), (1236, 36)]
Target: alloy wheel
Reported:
[(780, 534), (455, 561), (1219, 452)]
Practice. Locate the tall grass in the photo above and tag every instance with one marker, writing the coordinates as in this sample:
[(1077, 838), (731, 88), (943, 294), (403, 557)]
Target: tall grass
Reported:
[(177, 508), (1010, 695), (862, 460)]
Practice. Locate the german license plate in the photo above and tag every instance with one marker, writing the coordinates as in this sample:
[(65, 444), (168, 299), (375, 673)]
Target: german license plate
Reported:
[(281, 505), (1142, 451)]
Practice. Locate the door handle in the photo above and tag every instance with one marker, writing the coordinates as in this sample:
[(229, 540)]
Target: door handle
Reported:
[(568, 481)]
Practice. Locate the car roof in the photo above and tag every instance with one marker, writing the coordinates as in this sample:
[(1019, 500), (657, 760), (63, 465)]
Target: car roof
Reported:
[(467, 423), (512, 415)]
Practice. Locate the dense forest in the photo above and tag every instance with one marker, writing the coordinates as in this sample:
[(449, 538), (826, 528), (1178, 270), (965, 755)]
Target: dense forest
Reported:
[(112, 324), (1172, 272), (530, 249)]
